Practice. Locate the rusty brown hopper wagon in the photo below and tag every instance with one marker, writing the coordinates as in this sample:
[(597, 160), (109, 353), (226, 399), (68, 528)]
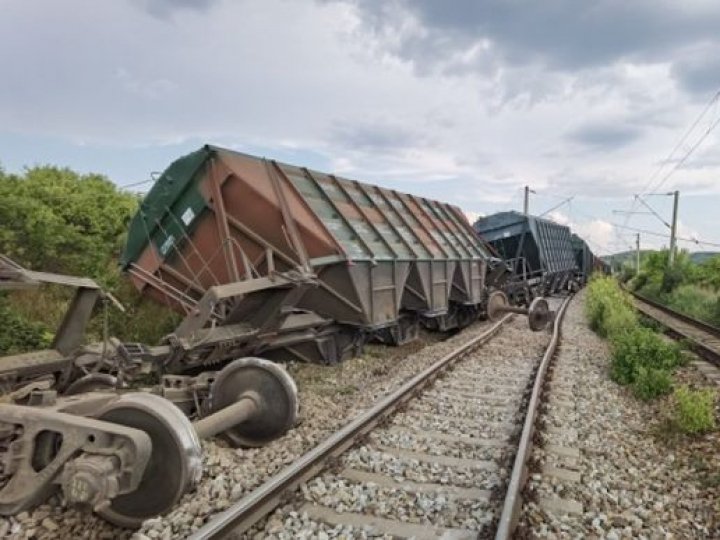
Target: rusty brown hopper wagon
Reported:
[(285, 262)]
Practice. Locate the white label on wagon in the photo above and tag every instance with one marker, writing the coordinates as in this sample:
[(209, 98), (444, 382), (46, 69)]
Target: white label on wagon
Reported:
[(188, 216)]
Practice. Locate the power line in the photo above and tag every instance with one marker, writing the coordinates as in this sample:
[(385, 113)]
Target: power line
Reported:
[(689, 152), (549, 195), (594, 243), (135, 184), (558, 205), (153, 177), (652, 210), (677, 146), (713, 101), (594, 218), (653, 233)]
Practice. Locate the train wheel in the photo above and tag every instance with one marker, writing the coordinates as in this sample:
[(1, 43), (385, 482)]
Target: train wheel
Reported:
[(538, 314), (175, 463), (495, 304), (273, 391)]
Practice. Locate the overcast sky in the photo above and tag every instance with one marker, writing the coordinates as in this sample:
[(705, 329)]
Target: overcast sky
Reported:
[(465, 101)]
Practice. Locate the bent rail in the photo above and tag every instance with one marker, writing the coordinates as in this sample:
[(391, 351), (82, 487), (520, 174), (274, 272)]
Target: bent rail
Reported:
[(513, 498)]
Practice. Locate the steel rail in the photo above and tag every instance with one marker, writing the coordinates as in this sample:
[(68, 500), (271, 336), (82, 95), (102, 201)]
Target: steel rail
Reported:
[(701, 345), (702, 325), (513, 498), (264, 499)]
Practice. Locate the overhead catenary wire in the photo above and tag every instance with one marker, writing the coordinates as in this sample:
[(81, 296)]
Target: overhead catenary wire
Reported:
[(136, 184), (713, 101), (662, 235), (692, 149), (653, 212), (558, 205), (619, 228)]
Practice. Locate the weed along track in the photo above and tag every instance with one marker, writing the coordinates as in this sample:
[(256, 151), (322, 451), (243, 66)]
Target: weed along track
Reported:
[(435, 457), (703, 338), (607, 463)]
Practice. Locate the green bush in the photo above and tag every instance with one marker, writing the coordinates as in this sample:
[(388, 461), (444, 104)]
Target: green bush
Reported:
[(627, 273), (694, 410), (708, 273), (619, 320), (638, 282), (57, 220), (607, 307), (641, 348), (640, 356), (650, 383), (18, 334), (653, 290), (693, 300), (672, 277), (715, 313)]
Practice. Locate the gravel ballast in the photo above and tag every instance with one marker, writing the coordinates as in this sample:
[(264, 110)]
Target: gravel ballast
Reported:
[(458, 496), (634, 482), (329, 397)]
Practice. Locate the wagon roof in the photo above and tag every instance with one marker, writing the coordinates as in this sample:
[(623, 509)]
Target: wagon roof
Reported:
[(501, 220), (180, 179)]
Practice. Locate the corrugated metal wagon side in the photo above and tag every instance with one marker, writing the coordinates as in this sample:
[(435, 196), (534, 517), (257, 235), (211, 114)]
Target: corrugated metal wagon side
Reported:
[(539, 251), (300, 264), (584, 258)]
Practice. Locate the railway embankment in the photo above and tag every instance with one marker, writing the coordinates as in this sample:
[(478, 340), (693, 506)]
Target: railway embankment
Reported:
[(613, 462)]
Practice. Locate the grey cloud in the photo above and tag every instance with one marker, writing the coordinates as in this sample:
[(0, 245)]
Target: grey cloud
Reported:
[(562, 34), (604, 136), (709, 158), (598, 184), (165, 8), (698, 70), (374, 137)]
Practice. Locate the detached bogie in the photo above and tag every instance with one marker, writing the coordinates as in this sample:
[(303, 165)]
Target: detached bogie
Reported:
[(131, 456)]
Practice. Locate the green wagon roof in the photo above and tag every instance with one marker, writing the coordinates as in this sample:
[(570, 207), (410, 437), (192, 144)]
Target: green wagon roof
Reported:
[(173, 182)]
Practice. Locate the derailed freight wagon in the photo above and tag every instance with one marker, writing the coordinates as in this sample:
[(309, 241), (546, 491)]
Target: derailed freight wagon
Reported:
[(289, 263), (583, 259), (264, 259), (538, 250), (587, 262)]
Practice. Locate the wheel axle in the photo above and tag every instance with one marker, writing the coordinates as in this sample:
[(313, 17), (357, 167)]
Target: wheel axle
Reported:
[(538, 313)]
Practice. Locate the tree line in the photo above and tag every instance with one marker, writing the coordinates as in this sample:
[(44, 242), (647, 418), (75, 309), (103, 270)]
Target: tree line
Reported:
[(57, 220)]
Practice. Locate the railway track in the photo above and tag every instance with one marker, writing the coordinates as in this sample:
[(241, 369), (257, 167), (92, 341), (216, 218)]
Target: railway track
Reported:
[(445, 454), (702, 337)]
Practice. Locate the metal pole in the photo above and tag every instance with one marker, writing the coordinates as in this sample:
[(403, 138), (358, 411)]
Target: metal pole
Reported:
[(526, 200), (673, 229), (637, 253)]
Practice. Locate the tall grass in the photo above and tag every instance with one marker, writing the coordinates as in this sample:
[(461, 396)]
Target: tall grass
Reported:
[(640, 357), (18, 333), (692, 289), (608, 308)]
